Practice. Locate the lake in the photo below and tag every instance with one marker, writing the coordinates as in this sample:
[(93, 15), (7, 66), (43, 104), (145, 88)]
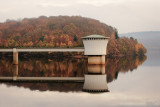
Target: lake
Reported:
[(123, 82)]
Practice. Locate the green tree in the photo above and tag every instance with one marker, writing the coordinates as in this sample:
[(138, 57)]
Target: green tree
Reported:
[(131, 38), (75, 38), (41, 38), (116, 34)]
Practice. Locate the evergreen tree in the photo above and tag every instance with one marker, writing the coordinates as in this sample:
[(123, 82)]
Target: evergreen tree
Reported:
[(116, 34), (75, 38)]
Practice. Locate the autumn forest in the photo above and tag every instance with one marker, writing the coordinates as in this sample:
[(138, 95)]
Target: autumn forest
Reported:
[(63, 32)]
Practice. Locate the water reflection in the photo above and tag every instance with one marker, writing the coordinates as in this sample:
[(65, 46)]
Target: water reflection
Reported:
[(45, 67), (96, 69), (125, 64), (15, 71), (95, 83), (68, 67), (95, 80)]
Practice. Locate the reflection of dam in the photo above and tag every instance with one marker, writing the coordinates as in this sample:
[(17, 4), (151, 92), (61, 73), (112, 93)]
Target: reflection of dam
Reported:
[(59, 84), (94, 80), (92, 69), (61, 75)]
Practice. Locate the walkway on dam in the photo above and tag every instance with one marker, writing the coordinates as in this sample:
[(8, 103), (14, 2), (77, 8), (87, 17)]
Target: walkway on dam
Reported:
[(79, 49)]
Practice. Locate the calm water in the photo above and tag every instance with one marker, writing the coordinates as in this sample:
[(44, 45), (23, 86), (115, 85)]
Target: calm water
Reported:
[(131, 82)]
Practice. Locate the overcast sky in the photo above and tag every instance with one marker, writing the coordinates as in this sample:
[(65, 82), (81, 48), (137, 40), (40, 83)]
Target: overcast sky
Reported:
[(125, 15)]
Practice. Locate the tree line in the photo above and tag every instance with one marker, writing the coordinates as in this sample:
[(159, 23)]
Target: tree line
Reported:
[(61, 31)]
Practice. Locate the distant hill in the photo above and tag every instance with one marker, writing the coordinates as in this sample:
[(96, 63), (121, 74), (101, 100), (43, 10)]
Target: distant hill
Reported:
[(150, 39)]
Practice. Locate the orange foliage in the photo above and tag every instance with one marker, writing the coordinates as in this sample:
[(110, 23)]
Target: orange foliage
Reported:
[(54, 31), (124, 46), (59, 31)]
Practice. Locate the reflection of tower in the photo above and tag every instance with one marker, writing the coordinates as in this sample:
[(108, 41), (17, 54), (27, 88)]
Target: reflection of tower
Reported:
[(96, 79), (15, 72), (95, 47), (15, 56), (96, 69), (95, 83)]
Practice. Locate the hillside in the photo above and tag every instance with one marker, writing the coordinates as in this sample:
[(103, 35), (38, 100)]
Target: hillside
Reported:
[(54, 31), (63, 31)]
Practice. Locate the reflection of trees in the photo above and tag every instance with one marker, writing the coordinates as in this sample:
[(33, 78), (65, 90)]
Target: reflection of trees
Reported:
[(57, 86), (52, 67), (6, 67), (66, 67), (122, 64)]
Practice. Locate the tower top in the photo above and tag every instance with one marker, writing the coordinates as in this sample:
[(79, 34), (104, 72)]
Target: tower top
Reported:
[(95, 44), (95, 36)]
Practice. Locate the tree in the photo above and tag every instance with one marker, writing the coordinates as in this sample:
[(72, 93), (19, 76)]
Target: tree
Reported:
[(70, 44), (75, 38), (41, 38), (131, 38), (116, 34)]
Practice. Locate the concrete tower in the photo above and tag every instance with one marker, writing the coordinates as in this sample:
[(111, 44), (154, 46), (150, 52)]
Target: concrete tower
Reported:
[(95, 47)]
